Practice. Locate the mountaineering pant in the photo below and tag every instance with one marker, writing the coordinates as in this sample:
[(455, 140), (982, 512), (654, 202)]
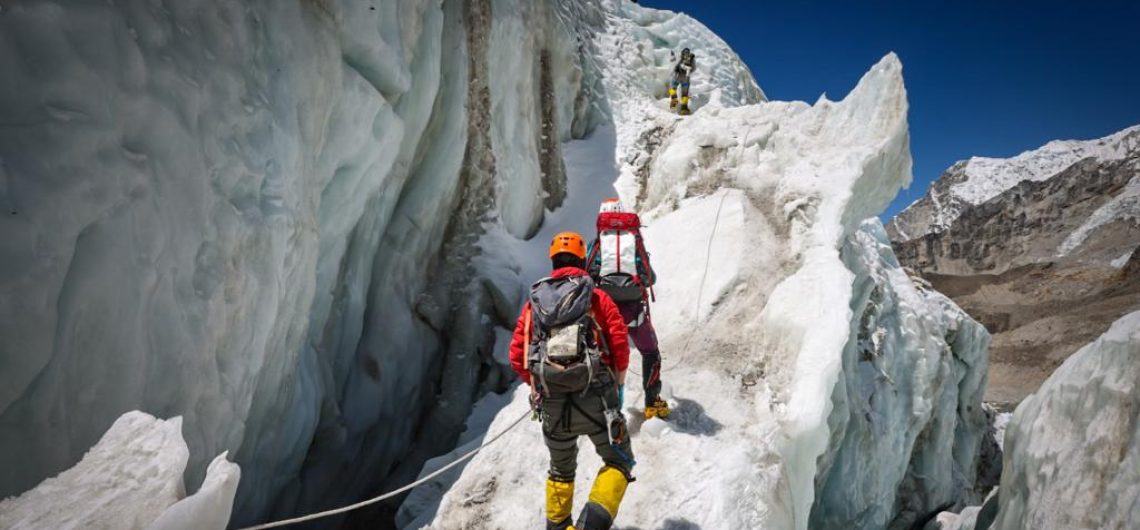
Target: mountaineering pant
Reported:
[(682, 81), (565, 417), (679, 84), (644, 337)]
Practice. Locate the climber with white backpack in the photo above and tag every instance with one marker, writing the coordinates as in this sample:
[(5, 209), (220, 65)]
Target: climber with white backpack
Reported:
[(571, 346), (619, 265)]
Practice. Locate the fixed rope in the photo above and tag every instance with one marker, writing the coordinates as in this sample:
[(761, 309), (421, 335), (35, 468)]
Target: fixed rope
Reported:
[(392, 493), (701, 289)]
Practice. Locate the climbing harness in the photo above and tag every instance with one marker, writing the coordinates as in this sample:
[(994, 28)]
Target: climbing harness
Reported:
[(394, 492)]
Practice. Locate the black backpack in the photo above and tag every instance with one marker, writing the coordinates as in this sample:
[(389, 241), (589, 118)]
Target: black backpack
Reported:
[(686, 60), (564, 344)]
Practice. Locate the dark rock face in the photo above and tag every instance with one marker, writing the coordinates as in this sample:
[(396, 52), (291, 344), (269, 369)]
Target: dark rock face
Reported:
[(1006, 262), (923, 216), (1024, 225)]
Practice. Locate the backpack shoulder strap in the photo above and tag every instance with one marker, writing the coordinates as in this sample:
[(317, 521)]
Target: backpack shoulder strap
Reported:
[(593, 255), (599, 333)]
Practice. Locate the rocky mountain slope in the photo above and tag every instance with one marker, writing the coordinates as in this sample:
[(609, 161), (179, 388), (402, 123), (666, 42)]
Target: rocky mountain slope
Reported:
[(1047, 263), (979, 179)]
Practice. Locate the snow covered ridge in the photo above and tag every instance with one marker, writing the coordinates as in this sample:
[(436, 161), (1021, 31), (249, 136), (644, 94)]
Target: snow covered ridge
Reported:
[(130, 479), (979, 179), (987, 177), (1072, 450), (813, 384), (260, 215)]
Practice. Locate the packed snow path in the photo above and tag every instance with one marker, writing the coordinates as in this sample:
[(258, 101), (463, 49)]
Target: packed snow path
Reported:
[(707, 464)]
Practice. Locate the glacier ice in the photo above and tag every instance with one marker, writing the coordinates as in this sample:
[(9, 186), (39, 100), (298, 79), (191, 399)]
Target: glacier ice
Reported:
[(210, 506), (1072, 449), (303, 226), (260, 216), (813, 382), (917, 347), (132, 478)]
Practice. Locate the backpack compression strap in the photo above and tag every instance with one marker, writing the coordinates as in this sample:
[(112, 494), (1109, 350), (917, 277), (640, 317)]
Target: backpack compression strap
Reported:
[(648, 268), (526, 338)]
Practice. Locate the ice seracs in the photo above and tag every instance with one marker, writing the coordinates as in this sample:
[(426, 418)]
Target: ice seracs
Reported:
[(1072, 449), (238, 213), (813, 383)]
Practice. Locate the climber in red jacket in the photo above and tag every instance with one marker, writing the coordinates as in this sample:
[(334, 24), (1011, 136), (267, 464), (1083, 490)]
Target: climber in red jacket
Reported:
[(571, 346)]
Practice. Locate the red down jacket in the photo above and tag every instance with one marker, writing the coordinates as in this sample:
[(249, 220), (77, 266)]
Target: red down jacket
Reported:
[(605, 313)]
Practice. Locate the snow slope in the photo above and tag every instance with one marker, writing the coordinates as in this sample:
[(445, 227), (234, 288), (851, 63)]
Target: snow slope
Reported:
[(988, 177), (979, 179), (813, 384), (130, 479), (1125, 206), (1072, 449)]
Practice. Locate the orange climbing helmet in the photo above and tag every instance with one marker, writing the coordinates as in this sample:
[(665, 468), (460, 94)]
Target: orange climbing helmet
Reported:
[(570, 243)]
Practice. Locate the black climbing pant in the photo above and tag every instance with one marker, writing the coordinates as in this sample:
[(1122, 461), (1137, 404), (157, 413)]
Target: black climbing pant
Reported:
[(565, 417)]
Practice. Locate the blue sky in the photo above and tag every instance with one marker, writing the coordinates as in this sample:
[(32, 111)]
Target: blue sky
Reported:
[(987, 78)]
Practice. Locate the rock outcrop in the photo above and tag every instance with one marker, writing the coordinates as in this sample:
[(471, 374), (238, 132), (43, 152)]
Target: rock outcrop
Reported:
[(1044, 263)]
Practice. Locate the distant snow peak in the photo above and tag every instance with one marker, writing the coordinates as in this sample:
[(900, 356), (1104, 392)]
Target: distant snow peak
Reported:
[(979, 179), (988, 177)]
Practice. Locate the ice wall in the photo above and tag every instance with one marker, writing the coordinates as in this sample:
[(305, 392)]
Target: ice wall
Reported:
[(259, 216), (1072, 449), (909, 393)]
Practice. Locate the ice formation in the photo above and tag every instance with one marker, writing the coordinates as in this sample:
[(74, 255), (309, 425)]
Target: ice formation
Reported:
[(131, 479), (304, 227), (813, 384), (260, 216), (1072, 449)]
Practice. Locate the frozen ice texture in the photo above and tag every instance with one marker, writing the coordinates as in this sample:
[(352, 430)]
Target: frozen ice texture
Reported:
[(131, 479), (1072, 449), (813, 383), (261, 216), (301, 226)]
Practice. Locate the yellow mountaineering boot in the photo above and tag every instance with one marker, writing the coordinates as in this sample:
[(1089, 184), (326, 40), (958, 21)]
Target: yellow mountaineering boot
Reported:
[(672, 98), (605, 497), (559, 503), (659, 409), (684, 106)]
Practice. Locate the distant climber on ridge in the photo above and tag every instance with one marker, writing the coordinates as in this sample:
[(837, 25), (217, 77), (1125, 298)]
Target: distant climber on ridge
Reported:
[(681, 72), (619, 265), (571, 346)]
